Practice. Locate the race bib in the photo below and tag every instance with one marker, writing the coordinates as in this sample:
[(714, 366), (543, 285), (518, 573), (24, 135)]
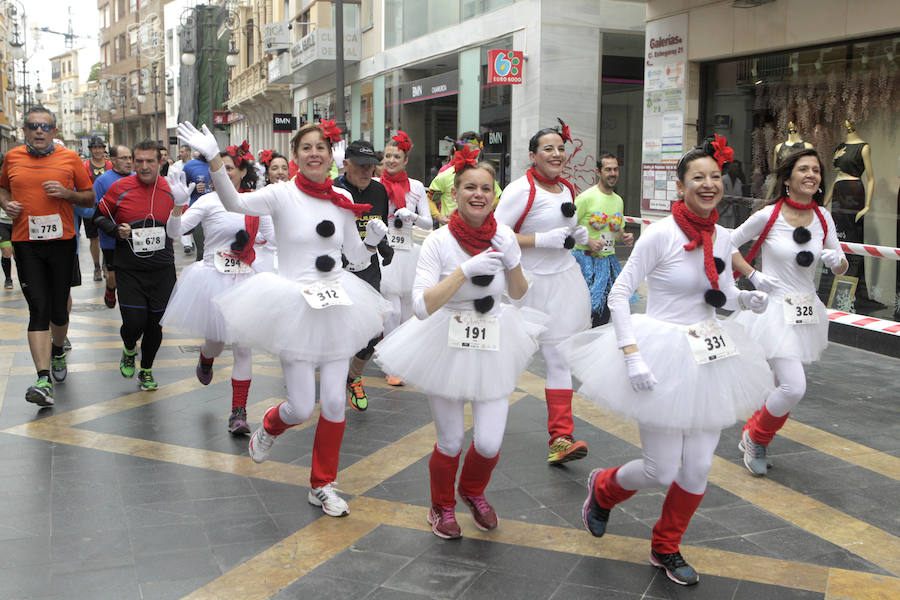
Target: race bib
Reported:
[(609, 241), (473, 331), (230, 265), (799, 309), (48, 227), (709, 342), (325, 293), (400, 238), (148, 239)]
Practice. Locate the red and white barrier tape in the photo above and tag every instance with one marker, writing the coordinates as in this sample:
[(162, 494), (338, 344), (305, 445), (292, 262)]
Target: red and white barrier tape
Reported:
[(864, 322), (848, 247)]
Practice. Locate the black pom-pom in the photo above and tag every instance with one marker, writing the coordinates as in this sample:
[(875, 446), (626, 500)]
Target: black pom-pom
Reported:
[(569, 243), (568, 209), (398, 223), (715, 298), (483, 280), (240, 240), (325, 228), (804, 258), (324, 263), (720, 265), (485, 304), (802, 235)]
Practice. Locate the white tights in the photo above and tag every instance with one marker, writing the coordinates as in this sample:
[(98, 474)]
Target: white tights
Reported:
[(791, 382), (300, 379), (401, 310), (559, 377), (489, 420), (684, 457), (243, 359)]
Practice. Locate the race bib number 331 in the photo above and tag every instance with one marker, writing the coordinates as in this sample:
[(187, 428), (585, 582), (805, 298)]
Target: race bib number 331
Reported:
[(473, 331), (709, 342)]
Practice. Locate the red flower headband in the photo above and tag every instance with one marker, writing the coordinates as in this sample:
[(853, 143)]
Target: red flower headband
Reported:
[(331, 131), (564, 131), (403, 141), (464, 156), (240, 154), (720, 150), (265, 157)]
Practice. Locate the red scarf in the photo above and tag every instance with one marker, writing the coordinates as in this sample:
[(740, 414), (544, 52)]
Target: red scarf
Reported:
[(699, 231), (784, 199), (326, 191), (397, 187), (531, 174), (472, 240)]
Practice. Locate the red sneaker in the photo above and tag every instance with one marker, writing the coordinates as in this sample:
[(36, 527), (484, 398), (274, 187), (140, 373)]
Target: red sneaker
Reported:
[(443, 522), (482, 513)]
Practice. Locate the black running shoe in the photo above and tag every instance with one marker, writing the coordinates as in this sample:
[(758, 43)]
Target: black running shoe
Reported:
[(676, 567)]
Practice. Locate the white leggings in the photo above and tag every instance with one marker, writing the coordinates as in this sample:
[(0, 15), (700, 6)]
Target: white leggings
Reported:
[(559, 377), (300, 380), (489, 423), (243, 359), (684, 457), (791, 382), (401, 310)]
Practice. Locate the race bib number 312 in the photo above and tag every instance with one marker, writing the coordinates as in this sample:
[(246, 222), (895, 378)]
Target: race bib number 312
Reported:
[(325, 293), (473, 331), (709, 342)]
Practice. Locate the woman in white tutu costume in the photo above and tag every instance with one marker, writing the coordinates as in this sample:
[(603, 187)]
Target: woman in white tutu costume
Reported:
[(276, 170), (313, 314), (540, 208), (465, 346), (684, 375), (793, 232), (408, 206), (229, 257)]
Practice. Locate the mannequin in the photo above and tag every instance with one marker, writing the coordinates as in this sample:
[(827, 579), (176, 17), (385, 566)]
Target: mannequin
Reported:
[(792, 143), (852, 199)]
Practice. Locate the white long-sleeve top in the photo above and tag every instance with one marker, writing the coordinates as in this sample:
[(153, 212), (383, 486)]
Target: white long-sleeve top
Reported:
[(295, 216), (779, 250), (220, 226), (417, 202), (545, 214), (676, 280), (441, 255)]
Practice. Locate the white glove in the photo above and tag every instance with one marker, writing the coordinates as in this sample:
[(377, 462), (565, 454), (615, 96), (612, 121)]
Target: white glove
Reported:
[(405, 215), (486, 263), (639, 373), (832, 258), (338, 151), (181, 192), (755, 300), (763, 282), (375, 232), (203, 141), (505, 242), (555, 238), (580, 233)]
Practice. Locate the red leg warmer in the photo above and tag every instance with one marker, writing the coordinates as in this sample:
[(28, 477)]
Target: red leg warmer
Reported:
[(443, 476), (326, 452), (239, 390), (559, 413), (476, 472), (677, 510), (607, 490), (272, 421), (763, 425)]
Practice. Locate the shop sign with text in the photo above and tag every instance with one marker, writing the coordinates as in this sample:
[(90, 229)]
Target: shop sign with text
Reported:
[(505, 66)]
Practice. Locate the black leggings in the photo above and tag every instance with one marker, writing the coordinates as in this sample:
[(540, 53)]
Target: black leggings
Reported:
[(45, 274), (138, 323)]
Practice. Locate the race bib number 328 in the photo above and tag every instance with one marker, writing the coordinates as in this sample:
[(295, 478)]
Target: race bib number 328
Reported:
[(799, 309)]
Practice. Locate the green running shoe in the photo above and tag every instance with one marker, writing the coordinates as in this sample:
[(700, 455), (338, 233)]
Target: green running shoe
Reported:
[(41, 392), (126, 363), (145, 377)]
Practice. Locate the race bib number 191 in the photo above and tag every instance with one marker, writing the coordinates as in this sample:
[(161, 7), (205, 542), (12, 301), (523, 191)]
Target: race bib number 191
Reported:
[(148, 239), (799, 309), (709, 342), (325, 293), (473, 331), (48, 227)]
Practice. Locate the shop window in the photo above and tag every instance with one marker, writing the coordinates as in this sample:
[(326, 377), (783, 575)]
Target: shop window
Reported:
[(771, 104)]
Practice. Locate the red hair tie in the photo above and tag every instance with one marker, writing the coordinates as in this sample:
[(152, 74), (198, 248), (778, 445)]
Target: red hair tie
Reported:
[(331, 131), (564, 131), (239, 154), (265, 157), (464, 156), (721, 152), (403, 141)]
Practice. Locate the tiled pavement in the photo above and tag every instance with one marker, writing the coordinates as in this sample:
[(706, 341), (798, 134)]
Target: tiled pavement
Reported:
[(118, 494)]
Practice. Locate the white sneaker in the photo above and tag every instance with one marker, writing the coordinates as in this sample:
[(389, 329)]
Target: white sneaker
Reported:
[(260, 444), (326, 497)]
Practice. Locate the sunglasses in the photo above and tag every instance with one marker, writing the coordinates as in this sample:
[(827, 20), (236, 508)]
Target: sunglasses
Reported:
[(44, 126)]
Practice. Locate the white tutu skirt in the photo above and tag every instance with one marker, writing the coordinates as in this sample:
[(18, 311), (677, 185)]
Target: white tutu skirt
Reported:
[(418, 352), (564, 296), (804, 342), (688, 395), (190, 308), (269, 312), (397, 278)]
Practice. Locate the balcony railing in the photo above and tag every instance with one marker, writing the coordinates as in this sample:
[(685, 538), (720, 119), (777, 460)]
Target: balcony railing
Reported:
[(252, 81)]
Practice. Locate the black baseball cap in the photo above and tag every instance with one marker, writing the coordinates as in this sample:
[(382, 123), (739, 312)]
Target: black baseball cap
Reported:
[(361, 152), (96, 141)]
